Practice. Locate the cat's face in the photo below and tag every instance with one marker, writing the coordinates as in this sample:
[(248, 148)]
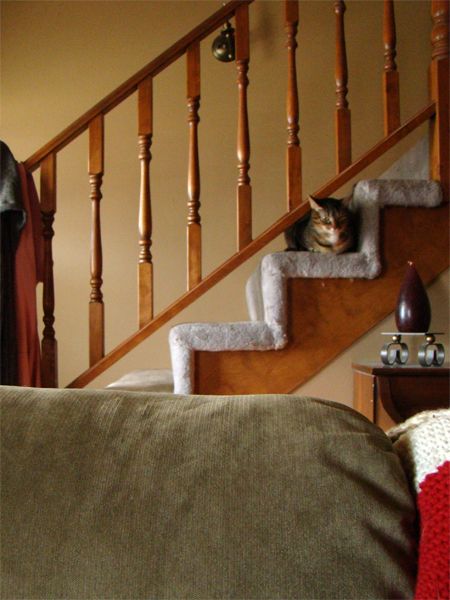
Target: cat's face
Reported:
[(331, 217)]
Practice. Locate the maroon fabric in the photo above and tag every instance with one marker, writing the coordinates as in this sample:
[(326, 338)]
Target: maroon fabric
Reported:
[(29, 270)]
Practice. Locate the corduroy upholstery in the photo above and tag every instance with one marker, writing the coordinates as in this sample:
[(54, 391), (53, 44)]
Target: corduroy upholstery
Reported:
[(112, 494)]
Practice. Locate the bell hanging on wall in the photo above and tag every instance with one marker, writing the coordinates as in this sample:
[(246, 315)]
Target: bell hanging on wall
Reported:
[(223, 45)]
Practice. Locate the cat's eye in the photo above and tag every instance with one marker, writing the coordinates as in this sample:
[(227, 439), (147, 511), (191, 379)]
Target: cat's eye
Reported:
[(326, 220)]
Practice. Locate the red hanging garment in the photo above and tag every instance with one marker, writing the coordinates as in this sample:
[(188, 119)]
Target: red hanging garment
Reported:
[(29, 262)]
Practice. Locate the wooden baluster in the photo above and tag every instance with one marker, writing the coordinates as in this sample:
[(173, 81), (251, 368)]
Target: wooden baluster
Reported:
[(439, 71), (96, 306), (49, 361), (145, 265), (194, 231), (244, 190), (342, 121), (391, 90), (293, 157)]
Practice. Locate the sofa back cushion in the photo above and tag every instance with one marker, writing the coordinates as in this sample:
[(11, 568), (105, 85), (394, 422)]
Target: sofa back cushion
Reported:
[(109, 494)]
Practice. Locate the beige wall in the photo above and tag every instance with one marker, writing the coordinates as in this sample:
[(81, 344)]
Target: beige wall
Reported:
[(59, 58)]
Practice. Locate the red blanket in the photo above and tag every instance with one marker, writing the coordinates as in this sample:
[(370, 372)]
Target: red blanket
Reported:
[(423, 443)]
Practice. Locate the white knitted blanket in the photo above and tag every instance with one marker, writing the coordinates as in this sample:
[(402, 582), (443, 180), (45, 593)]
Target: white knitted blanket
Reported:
[(423, 443)]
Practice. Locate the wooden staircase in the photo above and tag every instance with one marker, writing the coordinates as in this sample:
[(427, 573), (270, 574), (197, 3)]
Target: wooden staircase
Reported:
[(310, 348), (327, 315)]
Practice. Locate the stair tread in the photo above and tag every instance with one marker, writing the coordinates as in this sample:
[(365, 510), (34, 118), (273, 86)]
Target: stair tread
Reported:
[(267, 329), (145, 380)]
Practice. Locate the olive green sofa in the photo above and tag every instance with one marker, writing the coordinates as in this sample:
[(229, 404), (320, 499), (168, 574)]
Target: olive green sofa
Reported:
[(129, 495)]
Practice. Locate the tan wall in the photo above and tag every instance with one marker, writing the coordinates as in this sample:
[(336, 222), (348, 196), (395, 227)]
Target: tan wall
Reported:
[(59, 58)]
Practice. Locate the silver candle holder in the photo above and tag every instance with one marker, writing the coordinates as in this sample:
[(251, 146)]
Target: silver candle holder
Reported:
[(431, 353)]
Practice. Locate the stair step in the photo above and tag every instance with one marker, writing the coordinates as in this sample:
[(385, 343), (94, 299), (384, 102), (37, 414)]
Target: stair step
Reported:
[(145, 380), (267, 289), (403, 184)]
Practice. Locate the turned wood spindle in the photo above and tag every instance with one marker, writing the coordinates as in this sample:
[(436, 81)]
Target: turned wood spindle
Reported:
[(439, 33), (145, 264), (342, 119), (439, 78), (49, 359), (96, 306), (244, 190), (293, 153), (391, 90), (194, 232)]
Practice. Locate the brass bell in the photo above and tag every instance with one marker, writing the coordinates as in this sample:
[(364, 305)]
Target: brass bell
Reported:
[(223, 45)]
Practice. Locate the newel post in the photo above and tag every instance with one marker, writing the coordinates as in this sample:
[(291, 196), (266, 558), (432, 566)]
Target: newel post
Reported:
[(439, 83)]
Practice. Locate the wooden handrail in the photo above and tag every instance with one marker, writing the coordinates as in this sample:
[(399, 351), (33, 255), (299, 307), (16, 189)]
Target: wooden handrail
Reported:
[(376, 151), (154, 67), (253, 247)]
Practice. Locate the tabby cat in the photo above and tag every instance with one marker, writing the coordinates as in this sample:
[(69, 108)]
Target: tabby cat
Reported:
[(330, 227)]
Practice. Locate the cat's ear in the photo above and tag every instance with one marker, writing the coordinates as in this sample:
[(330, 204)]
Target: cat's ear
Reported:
[(313, 204)]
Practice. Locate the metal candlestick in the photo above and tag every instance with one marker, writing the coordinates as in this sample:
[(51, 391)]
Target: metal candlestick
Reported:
[(397, 352)]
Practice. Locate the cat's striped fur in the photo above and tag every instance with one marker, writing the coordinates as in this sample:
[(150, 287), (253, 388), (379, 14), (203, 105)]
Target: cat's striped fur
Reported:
[(330, 227)]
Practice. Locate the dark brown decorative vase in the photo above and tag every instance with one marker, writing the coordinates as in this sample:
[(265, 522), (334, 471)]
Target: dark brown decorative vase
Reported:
[(413, 312)]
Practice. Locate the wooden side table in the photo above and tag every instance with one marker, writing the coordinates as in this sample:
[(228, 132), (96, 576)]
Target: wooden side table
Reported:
[(388, 395)]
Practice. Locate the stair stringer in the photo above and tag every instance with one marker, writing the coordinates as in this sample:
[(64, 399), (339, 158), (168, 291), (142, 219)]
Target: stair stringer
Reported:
[(268, 331)]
